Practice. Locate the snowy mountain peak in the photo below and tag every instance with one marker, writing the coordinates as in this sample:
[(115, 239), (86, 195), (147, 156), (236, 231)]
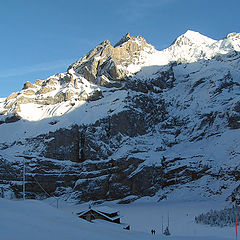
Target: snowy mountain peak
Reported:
[(127, 37), (105, 63), (123, 40), (109, 66), (193, 46), (193, 38), (234, 35), (231, 42)]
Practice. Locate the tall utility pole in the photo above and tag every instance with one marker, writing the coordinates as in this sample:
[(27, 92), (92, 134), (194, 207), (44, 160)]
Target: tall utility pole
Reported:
[(24, 172), (162, 224), (168, 220)]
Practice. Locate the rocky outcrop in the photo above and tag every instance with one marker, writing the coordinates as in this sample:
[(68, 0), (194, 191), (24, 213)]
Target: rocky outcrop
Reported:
[(28, 85), (46, 89), (12, 96), (29, 92), (55, 90), (65, 143), (39, 83), (105, 62)]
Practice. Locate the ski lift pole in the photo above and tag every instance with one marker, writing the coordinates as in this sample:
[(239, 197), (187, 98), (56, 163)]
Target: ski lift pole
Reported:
[(236, 225)]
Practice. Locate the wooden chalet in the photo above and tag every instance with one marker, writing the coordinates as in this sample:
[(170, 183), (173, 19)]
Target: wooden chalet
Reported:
[(103, 212)]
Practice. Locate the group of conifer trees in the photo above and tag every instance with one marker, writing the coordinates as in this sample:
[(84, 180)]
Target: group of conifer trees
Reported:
[(221, 218)]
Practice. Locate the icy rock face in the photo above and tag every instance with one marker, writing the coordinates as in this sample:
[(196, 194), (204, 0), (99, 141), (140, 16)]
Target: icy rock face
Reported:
[(128, 121)]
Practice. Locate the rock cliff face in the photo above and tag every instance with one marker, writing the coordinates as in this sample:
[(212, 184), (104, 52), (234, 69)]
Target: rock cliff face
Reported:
[(106, 63), (128, 121)]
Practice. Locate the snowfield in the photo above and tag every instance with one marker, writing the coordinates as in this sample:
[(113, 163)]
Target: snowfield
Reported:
[(33, 219), (36, 220)]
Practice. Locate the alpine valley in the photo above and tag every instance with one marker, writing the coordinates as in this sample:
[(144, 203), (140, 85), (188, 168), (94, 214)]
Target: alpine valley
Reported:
[(128, 121)]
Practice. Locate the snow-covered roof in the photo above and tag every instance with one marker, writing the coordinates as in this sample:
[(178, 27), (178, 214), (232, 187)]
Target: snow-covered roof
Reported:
[(102, 210), (105, 209), (82, 213), (110, 218)]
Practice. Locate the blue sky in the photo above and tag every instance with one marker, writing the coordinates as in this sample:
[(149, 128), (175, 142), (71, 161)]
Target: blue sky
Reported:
[(42, 37)]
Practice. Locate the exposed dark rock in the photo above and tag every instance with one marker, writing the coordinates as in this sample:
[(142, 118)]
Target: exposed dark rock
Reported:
[(28, 85), (12, 119), (104, 59), (234, 121)]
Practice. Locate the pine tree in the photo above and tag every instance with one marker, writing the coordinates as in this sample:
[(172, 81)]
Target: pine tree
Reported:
[(225, 217)]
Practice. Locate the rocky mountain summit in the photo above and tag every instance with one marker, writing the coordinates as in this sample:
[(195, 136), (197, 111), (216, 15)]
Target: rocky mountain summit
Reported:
[(107, 63), (128, 121)]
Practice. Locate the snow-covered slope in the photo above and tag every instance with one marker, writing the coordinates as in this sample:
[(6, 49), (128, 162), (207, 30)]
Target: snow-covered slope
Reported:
[(36, 220), (33, 219), (137, 121)]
